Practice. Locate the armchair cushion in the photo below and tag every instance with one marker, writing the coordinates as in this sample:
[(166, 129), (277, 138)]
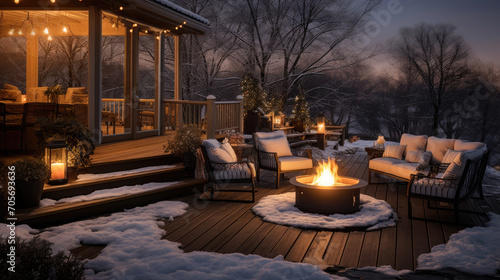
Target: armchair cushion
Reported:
[(471, 150), (291, 163), (434, 187), (394, 151), (234, 171), (438, 147), (413, 156), (413, 142), (397, 167), (276, 145), (227, 147), (216, 153)]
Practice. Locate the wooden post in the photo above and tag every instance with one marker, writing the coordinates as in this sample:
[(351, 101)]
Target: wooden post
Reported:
[(211, 117), (160, 71), (135, 81), (31, 62), (241, 112), (178, 79), (321, 140), (95, 72)]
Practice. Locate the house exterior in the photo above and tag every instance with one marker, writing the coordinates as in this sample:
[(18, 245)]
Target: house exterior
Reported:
[(113, 34)]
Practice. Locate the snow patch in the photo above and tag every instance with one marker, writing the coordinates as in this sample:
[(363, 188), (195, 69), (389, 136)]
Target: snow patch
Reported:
[(280, 209), (106, 193), (91, 176), (474, 250)]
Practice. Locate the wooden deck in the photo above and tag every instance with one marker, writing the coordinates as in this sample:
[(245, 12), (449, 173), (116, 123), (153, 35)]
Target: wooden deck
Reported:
[(232, 227)]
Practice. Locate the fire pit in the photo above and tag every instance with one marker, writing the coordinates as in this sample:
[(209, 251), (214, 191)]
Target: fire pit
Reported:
[(326, 192)]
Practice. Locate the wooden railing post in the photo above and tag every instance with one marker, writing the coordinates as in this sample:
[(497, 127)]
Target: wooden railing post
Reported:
[(211, 117), (241, 111)]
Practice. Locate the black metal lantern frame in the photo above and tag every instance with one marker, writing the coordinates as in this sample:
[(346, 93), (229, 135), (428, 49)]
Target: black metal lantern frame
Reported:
[(56, 158)]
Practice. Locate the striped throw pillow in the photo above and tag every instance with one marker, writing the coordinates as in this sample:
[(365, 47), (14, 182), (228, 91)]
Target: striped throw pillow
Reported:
[(394, 151)]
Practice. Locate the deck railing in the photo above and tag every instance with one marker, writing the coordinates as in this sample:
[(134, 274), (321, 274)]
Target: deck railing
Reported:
[(211, 116)]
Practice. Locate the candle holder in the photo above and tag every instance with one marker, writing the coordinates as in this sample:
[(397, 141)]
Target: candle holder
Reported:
[(56, 158)]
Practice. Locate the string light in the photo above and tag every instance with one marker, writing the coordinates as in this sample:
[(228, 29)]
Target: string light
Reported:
[(176, 28), (65, 30), (16, 1), (131, 30), (121, 8), (11, 31), (46, 30), (49, 38), (20, 32), (184, 23)]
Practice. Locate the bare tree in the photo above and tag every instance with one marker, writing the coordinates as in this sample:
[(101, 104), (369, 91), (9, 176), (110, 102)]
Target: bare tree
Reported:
[(439, 56)]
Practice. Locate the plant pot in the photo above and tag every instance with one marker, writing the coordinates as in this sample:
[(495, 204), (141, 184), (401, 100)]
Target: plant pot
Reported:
[(28, 193), (189, 163), (251, 122)]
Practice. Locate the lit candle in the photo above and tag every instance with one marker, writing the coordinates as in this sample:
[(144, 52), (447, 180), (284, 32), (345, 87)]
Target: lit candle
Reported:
[(321, 128), (57, 170), (24, 99)]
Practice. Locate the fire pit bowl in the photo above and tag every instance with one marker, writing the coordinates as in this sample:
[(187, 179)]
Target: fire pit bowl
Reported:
[(342, 198)]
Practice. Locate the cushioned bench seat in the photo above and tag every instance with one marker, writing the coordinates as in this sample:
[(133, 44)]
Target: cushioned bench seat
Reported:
[(396, 167)]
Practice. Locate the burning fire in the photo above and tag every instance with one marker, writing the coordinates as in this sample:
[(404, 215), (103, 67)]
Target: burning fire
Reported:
[(327, 174)]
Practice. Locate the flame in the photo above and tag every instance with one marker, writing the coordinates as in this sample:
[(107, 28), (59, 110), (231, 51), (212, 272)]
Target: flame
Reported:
[(327, 174), (321, 128)]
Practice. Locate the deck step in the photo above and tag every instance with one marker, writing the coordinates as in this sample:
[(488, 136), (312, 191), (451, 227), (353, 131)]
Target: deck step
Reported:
[(85, 187), (127, 164), (69, 212)]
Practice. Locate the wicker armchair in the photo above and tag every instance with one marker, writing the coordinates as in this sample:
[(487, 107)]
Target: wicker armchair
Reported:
[(270, 158), (223, 173), (453, 191)]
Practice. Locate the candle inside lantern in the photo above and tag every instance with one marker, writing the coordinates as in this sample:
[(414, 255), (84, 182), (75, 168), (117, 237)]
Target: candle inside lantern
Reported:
[(321, 128), (57, 170), (24, 99)]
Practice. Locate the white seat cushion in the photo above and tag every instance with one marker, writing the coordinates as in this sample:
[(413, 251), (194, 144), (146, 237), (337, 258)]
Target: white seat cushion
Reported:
[(434, 187), (413, 142), (396, 167), (237, 171), (438, 147), (295, 163)]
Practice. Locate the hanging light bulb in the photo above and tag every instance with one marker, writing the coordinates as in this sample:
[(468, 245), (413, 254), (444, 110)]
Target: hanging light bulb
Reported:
[(113, 25), (16, 1), (121, 8), (11, 31), (53, 1), (46, 30), (49, 38), (20, 32), (65, 30), (184, 23), (33, 32)]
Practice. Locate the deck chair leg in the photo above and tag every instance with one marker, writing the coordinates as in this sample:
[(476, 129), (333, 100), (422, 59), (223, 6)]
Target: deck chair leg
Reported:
[(278, 179), (409, 208), (369, 177)]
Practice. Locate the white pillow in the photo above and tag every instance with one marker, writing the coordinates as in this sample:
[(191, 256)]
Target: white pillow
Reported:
[(394, 151), (215, 152), (226, 146), (413, 142), (424, 160), (413, 156), (450, 156), (456, 168), (277, 145)]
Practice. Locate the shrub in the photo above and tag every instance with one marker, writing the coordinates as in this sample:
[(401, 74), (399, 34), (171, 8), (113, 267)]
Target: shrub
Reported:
[(34, 260), (30, 169), (187, 140)]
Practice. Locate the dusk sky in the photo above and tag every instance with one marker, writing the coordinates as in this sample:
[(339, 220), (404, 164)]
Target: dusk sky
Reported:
[(477, 21)]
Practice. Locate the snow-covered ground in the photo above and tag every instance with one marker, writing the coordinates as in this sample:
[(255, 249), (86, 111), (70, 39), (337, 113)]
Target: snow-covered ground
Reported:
[(105, 193), (281, 209), (135, 250), (90, 176)]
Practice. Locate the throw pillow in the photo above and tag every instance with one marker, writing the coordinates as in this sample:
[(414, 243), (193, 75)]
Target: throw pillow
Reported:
[(450, 156), (456, 168), (215, 152), (438, 147), (276, 145), (413, 156), (226, 146), (394, 151), (413, 142), (424, 160), (9, 86)]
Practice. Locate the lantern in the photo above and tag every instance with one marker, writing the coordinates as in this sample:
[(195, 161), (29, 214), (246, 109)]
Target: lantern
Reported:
[(320, 135), (380, 141), (56, 158), (320, 119), (23, 98)]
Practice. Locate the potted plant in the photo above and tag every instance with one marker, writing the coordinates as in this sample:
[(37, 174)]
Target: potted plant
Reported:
[(254, 100), (30, 176), (76, 134), (53, 93), (184, 145)]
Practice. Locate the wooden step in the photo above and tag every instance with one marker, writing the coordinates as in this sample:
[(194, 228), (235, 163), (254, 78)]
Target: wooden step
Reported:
[(69, 212), (85, 187), (127, 164)]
